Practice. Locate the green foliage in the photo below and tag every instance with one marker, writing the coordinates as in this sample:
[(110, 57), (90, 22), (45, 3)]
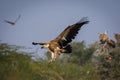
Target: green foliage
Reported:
[(109, 66), (12, 63), (15, 65), (80, 54)]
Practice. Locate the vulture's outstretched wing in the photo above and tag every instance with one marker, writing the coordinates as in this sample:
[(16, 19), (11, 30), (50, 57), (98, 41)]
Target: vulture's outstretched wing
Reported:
[(70, 32)]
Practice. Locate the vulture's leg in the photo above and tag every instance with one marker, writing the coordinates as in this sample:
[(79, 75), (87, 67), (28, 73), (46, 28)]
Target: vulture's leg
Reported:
[(54, 55)]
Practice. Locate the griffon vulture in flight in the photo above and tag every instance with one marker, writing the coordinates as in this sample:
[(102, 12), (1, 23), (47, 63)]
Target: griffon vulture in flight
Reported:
[(13, 22), (61, 43)]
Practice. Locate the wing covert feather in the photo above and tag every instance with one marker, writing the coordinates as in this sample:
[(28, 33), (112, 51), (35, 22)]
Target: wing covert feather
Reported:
[(70, 32)]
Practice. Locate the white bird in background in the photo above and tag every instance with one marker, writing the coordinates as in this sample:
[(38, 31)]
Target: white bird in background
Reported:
[(13, 22)]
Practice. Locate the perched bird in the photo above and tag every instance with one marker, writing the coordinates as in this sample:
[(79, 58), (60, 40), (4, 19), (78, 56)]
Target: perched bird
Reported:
[(117, 37), (13, 22), (61, 43), (111, 43), (104, 39)]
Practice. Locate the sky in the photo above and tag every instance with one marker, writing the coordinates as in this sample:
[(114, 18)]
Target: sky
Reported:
[(44, 20)]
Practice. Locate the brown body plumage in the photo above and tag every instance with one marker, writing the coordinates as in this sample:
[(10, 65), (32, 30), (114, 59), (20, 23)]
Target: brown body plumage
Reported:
[(117, 37), (104, 39), (61, 43), (111, 43)]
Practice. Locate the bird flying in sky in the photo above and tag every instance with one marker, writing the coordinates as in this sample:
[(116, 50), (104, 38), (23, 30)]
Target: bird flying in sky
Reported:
[(61, 43), (13, 22)]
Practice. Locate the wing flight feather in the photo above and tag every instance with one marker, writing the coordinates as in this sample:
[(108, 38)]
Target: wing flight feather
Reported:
[(70, 32)]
